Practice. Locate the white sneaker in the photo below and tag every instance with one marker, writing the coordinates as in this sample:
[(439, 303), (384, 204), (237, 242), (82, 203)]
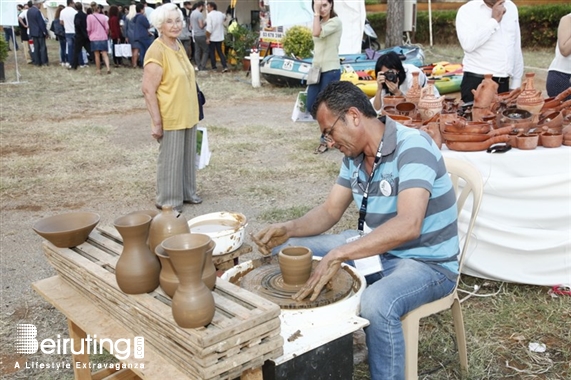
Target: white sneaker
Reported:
[(62, 64), (67, 64), (83, 66)]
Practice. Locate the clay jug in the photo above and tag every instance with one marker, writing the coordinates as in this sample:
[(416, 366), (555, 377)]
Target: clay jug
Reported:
[(429, 105), (168, 278), (137, 270), (208, 269), (295, 264), (413, 93), (486, 92), (530, 99), (193, 303), (166, 224)]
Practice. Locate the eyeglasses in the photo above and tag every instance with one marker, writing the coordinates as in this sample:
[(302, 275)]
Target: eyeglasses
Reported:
[(327, 135)]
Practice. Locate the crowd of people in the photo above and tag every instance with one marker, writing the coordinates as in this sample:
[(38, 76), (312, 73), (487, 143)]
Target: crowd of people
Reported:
[(92, 34)]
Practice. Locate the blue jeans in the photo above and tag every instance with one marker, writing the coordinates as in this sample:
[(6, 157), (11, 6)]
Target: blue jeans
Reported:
[(70, 42), (62, 46), (402, 286), (314, 89)]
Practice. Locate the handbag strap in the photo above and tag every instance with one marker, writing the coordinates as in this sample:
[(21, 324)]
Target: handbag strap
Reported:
[(98, 20)]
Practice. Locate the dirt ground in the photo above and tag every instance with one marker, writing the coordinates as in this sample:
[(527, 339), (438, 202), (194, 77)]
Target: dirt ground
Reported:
[(22, 259)]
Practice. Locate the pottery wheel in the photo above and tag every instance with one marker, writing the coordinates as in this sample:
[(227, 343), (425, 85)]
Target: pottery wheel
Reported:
[(266, 281)]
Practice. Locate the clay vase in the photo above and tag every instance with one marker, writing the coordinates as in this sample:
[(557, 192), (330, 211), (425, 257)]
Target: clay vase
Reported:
[(295, 264), (486, 92), (168, 278), (166, 224), (392, 100), (527, 141), (530, 99), (208, 268), (193, 303), (137, 270), (551, 140), (413, 93), (429, 105), (151, 213)]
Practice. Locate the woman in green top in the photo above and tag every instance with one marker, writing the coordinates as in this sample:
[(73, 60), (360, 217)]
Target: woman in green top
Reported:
[(327, 29)]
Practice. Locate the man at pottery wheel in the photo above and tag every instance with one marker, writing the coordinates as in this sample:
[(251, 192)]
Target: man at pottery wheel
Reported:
[(406, 241)]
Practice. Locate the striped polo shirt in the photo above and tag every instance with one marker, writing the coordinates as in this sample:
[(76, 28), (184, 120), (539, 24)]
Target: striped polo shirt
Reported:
[(410, 159)]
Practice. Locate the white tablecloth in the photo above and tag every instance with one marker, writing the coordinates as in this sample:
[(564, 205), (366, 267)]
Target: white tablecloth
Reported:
[(523, 230)]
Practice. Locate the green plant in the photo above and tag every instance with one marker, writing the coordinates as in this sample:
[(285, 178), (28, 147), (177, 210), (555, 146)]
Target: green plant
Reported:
[(241, 39), (3, 49), (298, 42)]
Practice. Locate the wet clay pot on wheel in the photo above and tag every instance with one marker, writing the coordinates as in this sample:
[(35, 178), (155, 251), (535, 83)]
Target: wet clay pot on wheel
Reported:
[(166, 224), (295, 264), (192, 304), (168, 278), (137, 270)]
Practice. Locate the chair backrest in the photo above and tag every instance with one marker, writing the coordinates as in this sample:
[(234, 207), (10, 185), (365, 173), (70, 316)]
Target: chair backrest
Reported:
[(466, 180)]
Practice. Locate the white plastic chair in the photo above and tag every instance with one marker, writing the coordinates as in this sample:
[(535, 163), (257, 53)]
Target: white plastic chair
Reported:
[(471, 180)]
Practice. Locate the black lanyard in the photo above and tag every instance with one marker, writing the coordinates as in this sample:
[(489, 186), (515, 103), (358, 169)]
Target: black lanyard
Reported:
[(363, 209)]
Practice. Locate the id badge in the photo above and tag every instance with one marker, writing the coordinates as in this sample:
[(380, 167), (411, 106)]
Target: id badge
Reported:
[(367, 265)]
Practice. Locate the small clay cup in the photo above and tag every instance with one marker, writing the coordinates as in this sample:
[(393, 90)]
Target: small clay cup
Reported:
[(295, 264), (513, 138), (527, 141), (551, 140), (401, 119), (406, 109), (389, 110)]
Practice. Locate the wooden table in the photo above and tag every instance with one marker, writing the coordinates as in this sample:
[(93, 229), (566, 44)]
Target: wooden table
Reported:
[(244, 333), (83, 317)]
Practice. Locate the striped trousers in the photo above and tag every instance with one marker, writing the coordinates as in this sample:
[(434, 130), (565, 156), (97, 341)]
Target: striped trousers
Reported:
[(176, 168)]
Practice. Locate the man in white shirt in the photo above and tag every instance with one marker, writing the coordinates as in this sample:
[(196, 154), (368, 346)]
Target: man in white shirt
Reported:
[(215, 34), (66, 18), (489, 33)]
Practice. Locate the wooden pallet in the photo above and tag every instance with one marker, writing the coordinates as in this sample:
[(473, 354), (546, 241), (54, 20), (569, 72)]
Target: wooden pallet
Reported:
[(244, 333)]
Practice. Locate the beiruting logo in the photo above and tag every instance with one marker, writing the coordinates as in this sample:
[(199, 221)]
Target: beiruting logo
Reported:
[(27, 343)]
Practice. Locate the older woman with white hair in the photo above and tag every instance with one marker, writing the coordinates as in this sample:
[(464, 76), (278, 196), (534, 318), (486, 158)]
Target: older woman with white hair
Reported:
[(170, 92)]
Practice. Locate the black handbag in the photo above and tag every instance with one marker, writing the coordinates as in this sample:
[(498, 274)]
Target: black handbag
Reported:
[(201, 102)]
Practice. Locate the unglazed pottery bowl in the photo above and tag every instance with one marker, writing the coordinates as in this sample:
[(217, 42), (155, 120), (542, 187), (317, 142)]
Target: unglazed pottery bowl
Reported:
[(226, 229), (67, 230)]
